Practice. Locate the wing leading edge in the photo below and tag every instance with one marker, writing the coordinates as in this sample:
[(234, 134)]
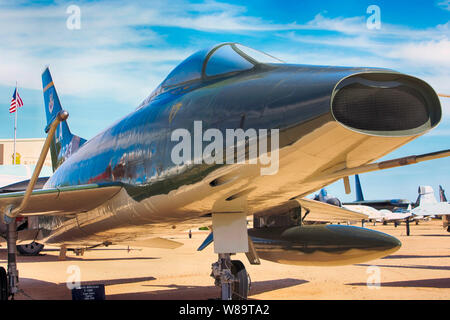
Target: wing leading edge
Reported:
[(61, 200)]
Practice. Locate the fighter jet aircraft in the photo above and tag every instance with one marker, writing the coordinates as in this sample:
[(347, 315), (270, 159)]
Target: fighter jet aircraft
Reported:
[(384, 210), (425, 207), (388, 204), (139, 181), (428, 206), (371, 214)]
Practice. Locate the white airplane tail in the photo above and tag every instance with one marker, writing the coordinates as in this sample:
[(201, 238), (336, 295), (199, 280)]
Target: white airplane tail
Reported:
[(427, 205), (426, 196)]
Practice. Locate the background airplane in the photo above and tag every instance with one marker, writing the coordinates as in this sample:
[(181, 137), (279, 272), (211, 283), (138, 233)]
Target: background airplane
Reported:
[(123, 187), (428, 206), (371, 214), (388, 204), (388, 210), (425, 207)]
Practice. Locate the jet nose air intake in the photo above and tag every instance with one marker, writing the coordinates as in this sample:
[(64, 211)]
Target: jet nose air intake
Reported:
[(388, 104)]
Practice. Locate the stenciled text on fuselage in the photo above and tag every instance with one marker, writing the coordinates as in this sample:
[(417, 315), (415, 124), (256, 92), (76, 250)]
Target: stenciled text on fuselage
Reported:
[(237, 141)]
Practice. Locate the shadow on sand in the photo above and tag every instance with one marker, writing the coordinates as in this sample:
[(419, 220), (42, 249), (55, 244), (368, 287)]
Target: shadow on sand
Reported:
[(180, 292), (53, 258), (399, 256), (44, 290), (441, 283), (407, 267)]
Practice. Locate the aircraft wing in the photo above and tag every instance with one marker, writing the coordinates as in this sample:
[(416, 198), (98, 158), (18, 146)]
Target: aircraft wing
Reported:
[(432, 209), (324, 212), (61, 200), (366, 210), (381, 166), (396, 217)]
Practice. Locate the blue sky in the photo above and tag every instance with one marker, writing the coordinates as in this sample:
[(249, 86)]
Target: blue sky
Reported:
[(123, 50)]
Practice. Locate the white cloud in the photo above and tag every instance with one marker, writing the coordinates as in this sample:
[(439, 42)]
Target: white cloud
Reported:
[(421, 53), (445, 4), (445, 103), (117, 53), (431, 53)]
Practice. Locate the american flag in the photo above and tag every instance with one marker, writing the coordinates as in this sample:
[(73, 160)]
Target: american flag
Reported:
[(16, 102)]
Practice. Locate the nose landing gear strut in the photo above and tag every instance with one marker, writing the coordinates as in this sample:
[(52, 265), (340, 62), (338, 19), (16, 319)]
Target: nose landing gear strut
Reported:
[(232, 277)]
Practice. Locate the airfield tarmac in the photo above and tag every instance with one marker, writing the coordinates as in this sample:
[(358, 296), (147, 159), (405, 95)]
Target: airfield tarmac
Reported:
[(419, 270)]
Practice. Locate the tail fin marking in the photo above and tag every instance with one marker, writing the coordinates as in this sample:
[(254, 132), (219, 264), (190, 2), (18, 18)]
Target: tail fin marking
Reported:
[(64, 142)]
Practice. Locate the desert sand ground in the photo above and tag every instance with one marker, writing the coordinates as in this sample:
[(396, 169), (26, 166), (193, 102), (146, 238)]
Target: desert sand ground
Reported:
[(419, 270)]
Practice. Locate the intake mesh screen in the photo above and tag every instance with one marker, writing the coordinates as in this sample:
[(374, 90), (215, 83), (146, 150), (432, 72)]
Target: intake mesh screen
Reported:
[(380, 109)]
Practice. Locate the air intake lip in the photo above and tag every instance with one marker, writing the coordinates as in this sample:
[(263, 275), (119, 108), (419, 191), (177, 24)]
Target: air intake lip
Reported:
[(385, 104)]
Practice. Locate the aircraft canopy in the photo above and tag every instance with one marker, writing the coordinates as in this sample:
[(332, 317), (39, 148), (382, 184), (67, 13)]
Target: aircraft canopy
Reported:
[(226, 58)]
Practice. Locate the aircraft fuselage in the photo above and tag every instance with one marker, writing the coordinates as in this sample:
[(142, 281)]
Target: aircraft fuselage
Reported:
[(295, 99)]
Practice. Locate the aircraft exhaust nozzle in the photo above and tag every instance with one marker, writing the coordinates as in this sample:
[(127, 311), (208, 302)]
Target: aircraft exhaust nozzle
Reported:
[(385, 104)]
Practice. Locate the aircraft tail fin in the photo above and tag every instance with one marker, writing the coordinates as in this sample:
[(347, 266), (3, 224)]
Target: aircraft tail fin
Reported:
[(426, 195), (442, 196), (64, 143), (323, 194), (359, 192)]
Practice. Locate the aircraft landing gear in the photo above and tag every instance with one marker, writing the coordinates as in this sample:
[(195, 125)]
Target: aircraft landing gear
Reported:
[(13, 273), (232, 277), (3, 284)]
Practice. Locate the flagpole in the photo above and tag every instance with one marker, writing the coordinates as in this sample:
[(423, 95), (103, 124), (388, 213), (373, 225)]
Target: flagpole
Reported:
[(15, 126)]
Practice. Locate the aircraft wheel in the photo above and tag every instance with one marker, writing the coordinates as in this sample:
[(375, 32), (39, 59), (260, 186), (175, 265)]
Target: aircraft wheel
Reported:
[(240, 287), (31, 249), (3, 284)]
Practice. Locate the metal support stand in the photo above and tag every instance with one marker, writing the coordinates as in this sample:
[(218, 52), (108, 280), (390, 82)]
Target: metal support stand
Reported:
[(13, 273), (407, 227), (221, 272), (62, 253), (9, 216)]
